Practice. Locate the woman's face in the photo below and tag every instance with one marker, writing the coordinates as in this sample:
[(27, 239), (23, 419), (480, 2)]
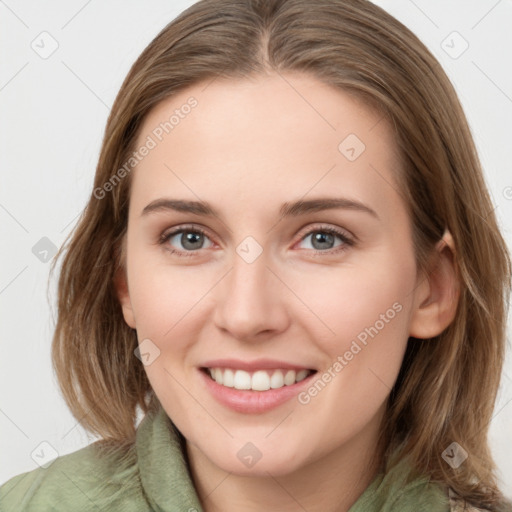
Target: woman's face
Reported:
[(267, 239)]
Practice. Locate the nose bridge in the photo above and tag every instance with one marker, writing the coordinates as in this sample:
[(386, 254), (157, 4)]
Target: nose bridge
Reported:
[(249, 300), (248, 281)]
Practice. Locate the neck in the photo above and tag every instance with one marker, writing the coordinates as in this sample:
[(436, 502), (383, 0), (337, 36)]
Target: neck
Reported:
[(333, 483)]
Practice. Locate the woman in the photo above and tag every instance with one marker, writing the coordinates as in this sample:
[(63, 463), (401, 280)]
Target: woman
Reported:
[(276, 372)]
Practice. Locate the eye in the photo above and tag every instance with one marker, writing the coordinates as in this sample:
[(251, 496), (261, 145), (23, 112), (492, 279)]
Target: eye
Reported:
[(190, 239), (323, 239)]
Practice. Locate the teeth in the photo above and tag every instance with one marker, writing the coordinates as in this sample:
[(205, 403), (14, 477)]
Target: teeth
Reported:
[(261, 380), (242, 380), (289, 378), (229, 378), (217, 375), (301, 375), (277, 380)]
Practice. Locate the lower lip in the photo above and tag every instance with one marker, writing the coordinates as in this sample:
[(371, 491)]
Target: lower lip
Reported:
[(253, 402)]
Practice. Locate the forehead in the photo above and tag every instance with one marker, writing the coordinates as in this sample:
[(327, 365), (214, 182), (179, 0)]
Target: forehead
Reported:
[(250, 140)]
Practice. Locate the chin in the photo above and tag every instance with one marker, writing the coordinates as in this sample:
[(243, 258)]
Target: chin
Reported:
[(248, 459)]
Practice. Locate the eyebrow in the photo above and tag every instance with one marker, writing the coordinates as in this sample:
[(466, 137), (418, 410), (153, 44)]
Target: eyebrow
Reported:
[(293, 209)]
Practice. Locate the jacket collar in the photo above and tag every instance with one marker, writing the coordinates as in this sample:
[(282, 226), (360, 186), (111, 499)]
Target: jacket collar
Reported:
[(164, 473), (168, 486)]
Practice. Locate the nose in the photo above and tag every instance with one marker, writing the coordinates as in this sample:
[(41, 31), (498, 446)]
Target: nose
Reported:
[(251, 301)]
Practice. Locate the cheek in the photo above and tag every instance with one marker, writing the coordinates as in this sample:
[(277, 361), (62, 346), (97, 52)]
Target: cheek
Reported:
[(362, 302), (368, 309), (163, 304), (162, 296)]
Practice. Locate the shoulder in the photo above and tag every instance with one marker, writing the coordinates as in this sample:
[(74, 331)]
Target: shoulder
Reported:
[(458, 504), (81, 480)]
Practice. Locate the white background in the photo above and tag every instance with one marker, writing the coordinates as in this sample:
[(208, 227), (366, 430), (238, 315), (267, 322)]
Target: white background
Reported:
[(53, 113)]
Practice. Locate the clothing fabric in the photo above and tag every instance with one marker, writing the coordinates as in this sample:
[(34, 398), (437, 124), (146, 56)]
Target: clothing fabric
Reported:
[(153, 476)]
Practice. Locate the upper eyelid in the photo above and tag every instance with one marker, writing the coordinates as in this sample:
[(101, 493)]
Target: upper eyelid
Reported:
[(179, 229)]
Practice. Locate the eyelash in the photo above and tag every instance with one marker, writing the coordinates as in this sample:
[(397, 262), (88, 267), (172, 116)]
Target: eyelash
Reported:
[(347, 242)]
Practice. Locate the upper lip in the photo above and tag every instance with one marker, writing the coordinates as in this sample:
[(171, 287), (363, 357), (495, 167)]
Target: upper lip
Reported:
[(257, 364)]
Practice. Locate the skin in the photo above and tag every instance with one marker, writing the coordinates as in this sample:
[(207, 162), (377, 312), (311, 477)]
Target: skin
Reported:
[(248, 147)]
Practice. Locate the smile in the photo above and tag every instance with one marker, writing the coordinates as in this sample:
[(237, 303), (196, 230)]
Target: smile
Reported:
[(259, 380)]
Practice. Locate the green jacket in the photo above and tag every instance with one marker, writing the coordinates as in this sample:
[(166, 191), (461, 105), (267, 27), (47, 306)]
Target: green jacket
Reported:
[(153, 476)]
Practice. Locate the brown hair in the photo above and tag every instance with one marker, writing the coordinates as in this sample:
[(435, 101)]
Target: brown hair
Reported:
[(447, 386)]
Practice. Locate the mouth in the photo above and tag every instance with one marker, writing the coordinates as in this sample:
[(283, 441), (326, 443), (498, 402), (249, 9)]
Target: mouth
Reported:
[(254, 387), (258, 380)]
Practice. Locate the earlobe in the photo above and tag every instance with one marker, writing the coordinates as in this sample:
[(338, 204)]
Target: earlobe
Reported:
[(437, 294), (123, 295)]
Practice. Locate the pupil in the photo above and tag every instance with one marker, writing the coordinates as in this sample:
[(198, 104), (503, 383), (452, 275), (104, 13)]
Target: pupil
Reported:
[(189, 239), (323, 238)]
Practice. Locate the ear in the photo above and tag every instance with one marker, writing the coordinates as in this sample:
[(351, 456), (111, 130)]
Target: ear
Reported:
[(436, 295), (121, 288)]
